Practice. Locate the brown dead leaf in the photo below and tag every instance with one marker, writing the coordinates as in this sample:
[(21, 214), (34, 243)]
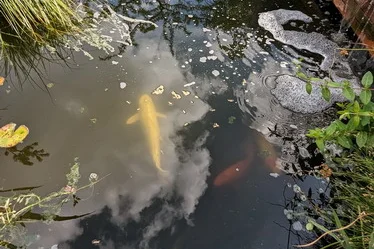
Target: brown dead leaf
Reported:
[(325, 170), (344, 52)]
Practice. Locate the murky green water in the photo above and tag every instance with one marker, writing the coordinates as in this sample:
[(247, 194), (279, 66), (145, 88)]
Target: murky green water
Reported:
[(201, 56)]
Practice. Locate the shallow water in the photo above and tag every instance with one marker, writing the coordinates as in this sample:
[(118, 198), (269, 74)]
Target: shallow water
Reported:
[(219, 51)]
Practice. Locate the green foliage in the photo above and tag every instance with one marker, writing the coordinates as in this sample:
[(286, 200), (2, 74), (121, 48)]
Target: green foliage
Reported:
[(18, 207), (354, 129)]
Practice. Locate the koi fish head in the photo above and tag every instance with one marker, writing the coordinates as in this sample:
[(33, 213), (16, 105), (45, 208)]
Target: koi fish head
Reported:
[(145, 100)]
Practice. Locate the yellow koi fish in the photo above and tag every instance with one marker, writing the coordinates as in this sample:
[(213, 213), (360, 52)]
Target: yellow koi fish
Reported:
[(148, 118)]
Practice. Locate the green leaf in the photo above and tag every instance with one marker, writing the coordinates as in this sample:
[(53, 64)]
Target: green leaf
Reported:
[(353, 123), (370, 141), (302, 75), (340, 126), (334, 84), (324, 229), (344, 141), (326, 94), (348, 93), (320, 144), (365, 121), (365, 96), (331, 129), (315, 133), (367, 79), (361, 138), (356, 107), (371, 243), (308, 87), (342, 232)]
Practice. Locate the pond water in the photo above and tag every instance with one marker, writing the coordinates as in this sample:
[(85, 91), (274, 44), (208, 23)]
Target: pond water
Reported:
[(205, 55)]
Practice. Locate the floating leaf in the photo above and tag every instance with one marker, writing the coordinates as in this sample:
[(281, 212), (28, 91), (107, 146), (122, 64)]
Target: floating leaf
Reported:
[(361, 138), (326, 94), (309, 226), (367, 79), (348, 93), (365, 96), (10, 137), (308, 87), (2, 79)]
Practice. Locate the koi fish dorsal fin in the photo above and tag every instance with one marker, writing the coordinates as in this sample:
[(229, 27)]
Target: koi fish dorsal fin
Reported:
[(160, 115), (133, 119)]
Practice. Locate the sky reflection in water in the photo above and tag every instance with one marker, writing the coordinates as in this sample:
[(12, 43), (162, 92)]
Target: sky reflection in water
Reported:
[(134, 205)]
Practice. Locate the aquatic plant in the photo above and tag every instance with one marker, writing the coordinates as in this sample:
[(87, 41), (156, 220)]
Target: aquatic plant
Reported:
[(348, 148), (33, 32), (18, 209)]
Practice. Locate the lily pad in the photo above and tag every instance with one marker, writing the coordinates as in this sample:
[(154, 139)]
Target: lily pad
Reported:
[(10, 137)]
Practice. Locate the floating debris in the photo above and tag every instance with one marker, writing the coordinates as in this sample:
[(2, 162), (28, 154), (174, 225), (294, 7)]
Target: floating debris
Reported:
[(2, 79), (93, 120), (297, 226), (186, 124), (49, 85), (186, 93), (206, 30), (275, 175), (176, 95), (190, 84), (296, 188), (114, 62), (203, 59), (215, 125), (95, 242), (213, 57), (208, 45), (128, 102), (82, 109), (230, 100), (170, 103), (122, 85), (232, 119), (325, 171), (159, 90), (215, 72), (244, 82), (106, 89), (10, 137)]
